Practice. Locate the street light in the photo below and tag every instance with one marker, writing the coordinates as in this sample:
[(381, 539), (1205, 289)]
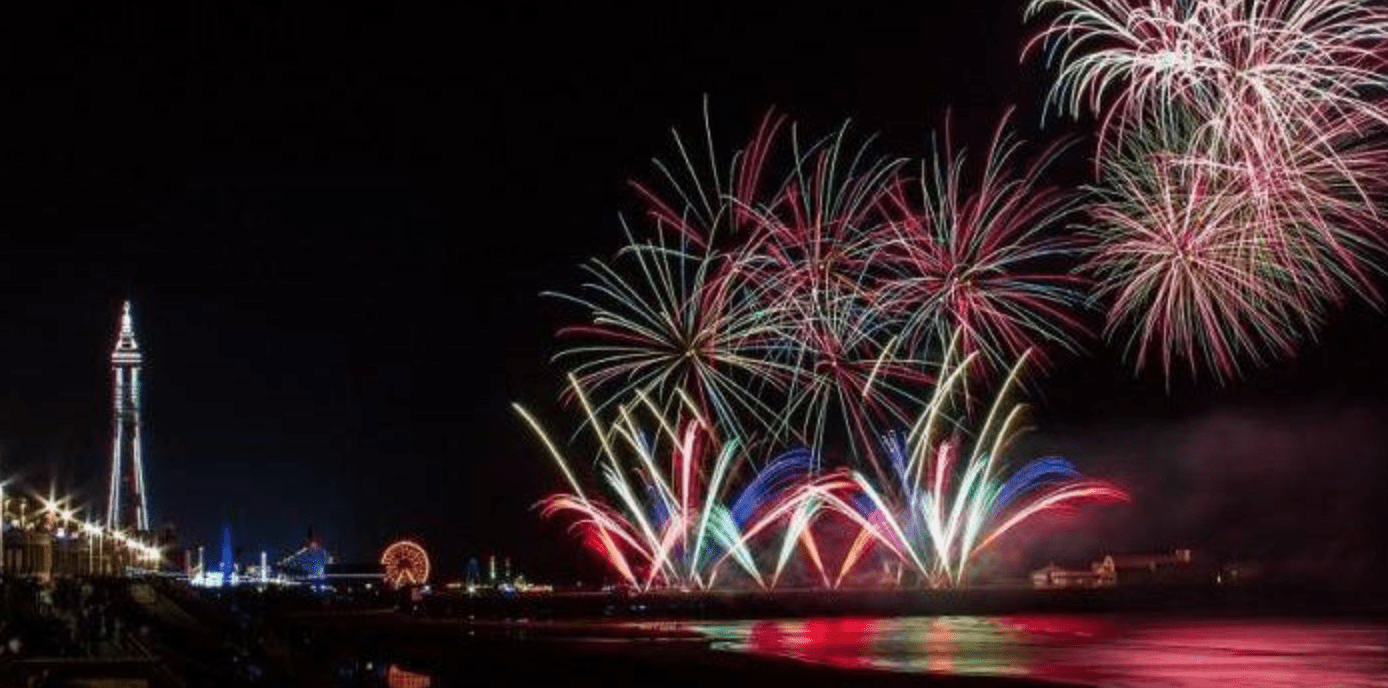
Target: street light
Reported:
[(92, 531), (3, 514)]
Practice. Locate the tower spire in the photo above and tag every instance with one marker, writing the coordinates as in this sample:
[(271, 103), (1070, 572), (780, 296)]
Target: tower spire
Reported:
[(126, 506), (125, 340)]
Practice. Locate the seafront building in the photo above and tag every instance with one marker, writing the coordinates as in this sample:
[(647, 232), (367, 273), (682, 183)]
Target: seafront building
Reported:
[(1177, 566)]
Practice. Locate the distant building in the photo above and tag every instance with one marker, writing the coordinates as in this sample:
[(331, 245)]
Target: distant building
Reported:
[(228, 565), (1178, 567), (1146, 569), (1054, 577), (309, 563)]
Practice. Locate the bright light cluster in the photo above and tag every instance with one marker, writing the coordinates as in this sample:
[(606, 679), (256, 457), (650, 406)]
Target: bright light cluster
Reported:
[(405, 563), (56, 516)]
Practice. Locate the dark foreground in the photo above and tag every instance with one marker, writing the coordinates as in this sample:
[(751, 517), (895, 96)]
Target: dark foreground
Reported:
[(162, 634), (173, 636)]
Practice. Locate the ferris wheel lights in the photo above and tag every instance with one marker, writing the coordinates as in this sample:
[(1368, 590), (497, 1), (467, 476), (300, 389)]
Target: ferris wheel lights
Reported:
[(405, 563)]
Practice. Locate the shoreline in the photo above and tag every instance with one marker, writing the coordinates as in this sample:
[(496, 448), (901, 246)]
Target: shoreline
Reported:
[(1280, 600)]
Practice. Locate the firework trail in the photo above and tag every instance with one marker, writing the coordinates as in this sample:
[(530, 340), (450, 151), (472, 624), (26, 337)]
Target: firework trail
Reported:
[(952, 497), (671, 312), (806, 310), (976, 254), (698, 199), (1239, 64), (1205, 254), (676, 523), (805, 306), (1240, 166), (754, 295), (1183, 261), (674, 321), (813, 254)]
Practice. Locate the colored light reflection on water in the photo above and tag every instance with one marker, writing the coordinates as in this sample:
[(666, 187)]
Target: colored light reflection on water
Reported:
[(1094, 650), (947, 644)]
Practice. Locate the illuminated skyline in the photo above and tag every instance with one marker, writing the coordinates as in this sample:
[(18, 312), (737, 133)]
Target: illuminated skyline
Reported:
[(337, 223)]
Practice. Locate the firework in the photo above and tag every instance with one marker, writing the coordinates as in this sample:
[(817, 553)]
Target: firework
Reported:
[(805, 310), (697, 198), (674, 321), (1215, 256), (1239, 164), (673, 311), (1179, 256), (1241, 65), (974, 259), (676, 522), (813, 256), (1311, 205), (951, 497), (757, 302)]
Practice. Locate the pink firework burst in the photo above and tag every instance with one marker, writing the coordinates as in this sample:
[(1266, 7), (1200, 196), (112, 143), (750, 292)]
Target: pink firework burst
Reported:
[(1190, 267), (979, 256), (1235, 63)]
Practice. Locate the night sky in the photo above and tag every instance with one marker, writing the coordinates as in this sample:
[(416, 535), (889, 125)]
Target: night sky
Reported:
[(335, 221)]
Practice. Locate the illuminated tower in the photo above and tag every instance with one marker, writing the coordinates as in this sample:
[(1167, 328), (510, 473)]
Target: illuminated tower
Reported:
[(228, 566), (126, 506)]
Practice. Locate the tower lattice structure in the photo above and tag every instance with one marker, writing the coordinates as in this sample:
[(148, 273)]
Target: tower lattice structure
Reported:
[(127, 505)]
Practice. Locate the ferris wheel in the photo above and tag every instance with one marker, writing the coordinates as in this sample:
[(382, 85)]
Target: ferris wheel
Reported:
[(405, 563)]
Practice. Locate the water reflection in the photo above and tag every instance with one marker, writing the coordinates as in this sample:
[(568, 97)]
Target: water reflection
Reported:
[(1094, 650)]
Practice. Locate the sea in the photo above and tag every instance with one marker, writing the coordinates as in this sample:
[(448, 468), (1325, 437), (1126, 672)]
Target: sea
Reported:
[(1101, 650), (1113, 651)]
